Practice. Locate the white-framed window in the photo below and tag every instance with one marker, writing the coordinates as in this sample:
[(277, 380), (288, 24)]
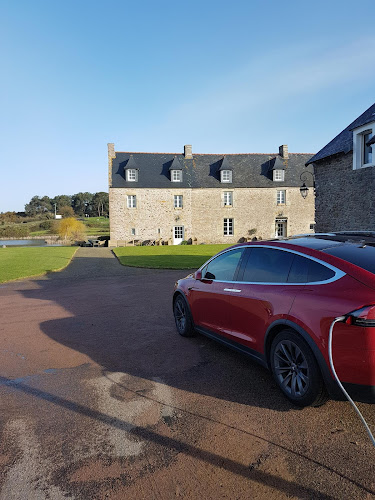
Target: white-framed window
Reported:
[(178, 201), (131, 175), (176, 175), (363, 155), (278, 175), (228, 198), (280, 197), (228, 227), (226, 176), (131, 201), (133, 231)]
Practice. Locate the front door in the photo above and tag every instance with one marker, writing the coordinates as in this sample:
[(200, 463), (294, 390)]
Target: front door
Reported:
[(210, 297), (178, 234), (280, 228)]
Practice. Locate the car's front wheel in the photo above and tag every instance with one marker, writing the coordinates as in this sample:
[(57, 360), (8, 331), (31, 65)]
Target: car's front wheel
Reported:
[(182, 317), (296, 370)]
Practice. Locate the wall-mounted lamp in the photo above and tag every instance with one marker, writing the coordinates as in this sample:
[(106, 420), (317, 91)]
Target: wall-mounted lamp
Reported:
[(304, 190)]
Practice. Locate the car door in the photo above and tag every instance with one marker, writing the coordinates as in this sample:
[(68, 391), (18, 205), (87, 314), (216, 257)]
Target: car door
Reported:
[(265, 294), (209, 297)]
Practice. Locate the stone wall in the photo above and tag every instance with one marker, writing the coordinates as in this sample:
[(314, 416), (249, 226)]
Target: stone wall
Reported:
[(344, 197), (203, 214)]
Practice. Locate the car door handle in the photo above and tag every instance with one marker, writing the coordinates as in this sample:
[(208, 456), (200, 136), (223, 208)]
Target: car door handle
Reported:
[(232, 290)]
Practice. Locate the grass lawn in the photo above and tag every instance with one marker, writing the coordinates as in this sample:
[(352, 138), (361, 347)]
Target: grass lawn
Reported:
[(167, 257), (96, 226), (24, 262)]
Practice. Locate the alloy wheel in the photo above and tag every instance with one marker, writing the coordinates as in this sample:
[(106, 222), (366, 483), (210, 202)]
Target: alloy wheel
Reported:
[(291, 368), (180, 315)]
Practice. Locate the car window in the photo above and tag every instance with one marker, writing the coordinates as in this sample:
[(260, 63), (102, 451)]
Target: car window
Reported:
[(308, 271), (267, 265), (318, 272), (299, 270), (223, 267)]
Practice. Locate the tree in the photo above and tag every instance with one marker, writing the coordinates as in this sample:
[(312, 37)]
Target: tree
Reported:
[(66, 211), (71, 229), (61, 200), (38, 206), (81, 203), (100, 203)]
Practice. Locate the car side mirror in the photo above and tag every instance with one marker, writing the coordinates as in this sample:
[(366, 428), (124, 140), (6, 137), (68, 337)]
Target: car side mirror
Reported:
[(198, 275)]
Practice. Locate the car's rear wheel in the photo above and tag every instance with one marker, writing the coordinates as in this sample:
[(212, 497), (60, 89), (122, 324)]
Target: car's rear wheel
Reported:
[(182, 317), (296, 370)]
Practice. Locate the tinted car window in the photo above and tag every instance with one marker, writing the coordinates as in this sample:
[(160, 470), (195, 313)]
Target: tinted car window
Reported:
[(267, 265), (317, 272), (360, 256), (308, 271), (224, 266), (299, 270)]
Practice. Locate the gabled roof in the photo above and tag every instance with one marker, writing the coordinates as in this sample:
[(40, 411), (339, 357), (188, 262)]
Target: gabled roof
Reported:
[(225, 164), (131, 163), (343, 143), (277, 164), (252, 170), (175, 165)]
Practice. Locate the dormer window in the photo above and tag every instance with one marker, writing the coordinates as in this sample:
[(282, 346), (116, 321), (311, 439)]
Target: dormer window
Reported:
[(131, 175), (367, 149), (175, 170), (176, 175), (225, 170), (364, 146), (278, 175), (226, 176), (131, 170)]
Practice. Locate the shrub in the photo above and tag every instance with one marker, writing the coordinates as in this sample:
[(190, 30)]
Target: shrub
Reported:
[(66, 211), (184, 242), (14, 231), (71, 229), (46, 224)]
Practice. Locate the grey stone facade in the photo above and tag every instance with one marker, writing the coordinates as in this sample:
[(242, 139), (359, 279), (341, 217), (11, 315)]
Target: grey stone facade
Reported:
[(254, 211), (345, 178), (345, 198)]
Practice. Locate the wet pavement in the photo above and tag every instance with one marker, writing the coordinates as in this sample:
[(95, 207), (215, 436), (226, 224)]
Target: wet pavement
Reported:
[(100, 398)]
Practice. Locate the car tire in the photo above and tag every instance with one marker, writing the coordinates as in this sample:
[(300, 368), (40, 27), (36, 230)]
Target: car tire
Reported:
[(182, 317), (296, 370)]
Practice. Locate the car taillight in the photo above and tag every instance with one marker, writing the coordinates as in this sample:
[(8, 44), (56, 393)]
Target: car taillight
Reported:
[(362, 317)]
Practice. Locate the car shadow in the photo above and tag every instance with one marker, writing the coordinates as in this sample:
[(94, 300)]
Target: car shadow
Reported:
[(122, 319)]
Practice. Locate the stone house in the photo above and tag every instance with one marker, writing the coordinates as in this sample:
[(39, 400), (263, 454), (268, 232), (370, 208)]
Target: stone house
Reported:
[(210, 198), (345, 178)]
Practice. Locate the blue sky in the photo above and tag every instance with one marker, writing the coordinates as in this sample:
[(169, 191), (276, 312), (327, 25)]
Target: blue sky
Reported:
[(226, 77)]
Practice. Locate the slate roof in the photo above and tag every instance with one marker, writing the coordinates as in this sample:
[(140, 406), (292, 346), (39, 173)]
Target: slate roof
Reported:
[(225, 165), (202, 171), (277, 164), (131, 163), (343, 143), (175, 165)]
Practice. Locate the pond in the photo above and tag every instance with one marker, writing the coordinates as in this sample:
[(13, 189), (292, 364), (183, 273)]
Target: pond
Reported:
[(24, 243)]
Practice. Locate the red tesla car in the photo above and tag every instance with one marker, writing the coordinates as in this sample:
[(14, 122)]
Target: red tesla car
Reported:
[(276, 300)]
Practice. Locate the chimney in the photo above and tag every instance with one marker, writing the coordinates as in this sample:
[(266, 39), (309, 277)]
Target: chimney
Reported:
[(188, 151), (111, 156), (283, 151)]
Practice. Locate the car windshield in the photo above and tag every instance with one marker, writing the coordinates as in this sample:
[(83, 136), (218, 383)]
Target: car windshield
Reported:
[(360, 255)]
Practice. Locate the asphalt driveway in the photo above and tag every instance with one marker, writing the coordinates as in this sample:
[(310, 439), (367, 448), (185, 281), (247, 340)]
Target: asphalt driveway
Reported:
[(100, 398)]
